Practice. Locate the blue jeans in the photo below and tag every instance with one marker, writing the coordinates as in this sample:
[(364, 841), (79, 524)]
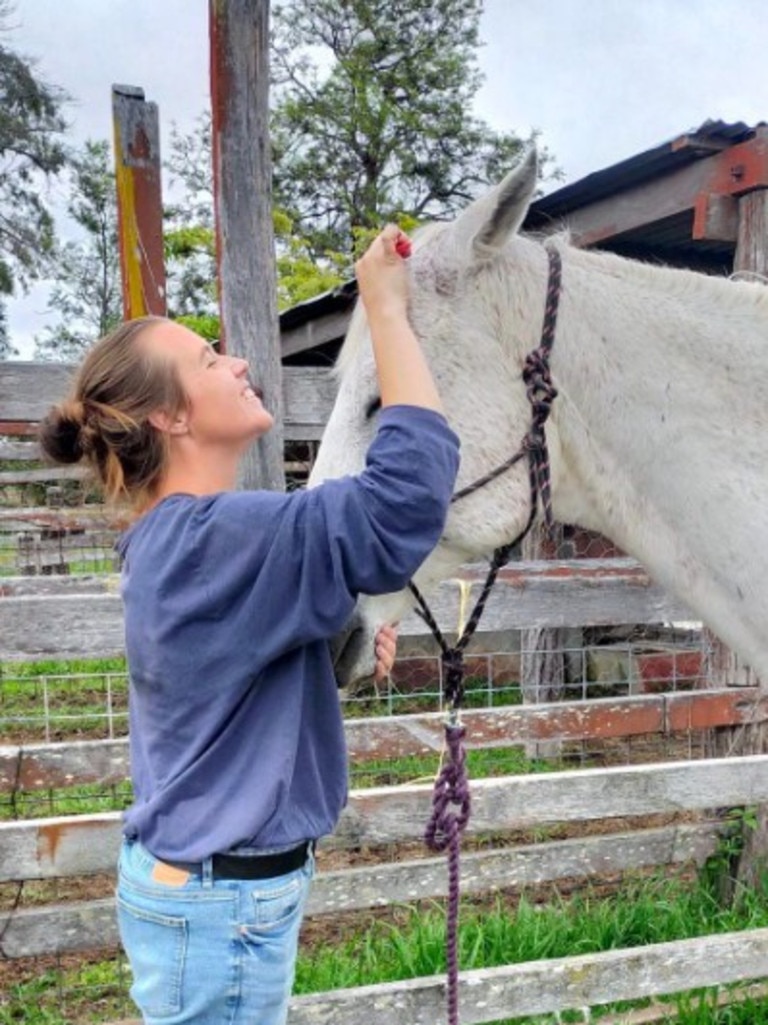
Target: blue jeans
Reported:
[(205, 951)]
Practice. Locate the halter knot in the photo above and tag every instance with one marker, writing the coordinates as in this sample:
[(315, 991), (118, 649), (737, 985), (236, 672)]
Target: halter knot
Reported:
[(538, 383), (450, 799)]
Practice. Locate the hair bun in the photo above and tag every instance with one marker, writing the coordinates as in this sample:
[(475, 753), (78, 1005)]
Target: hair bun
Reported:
[(61, 432)]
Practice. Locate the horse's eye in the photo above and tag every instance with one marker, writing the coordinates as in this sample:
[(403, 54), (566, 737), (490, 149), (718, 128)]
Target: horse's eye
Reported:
[(372, 408)]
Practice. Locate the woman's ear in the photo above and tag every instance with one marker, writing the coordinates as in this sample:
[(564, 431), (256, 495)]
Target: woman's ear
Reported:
[(168, 423)]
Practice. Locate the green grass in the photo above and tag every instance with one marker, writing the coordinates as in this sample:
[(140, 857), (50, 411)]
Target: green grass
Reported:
[(410, 943), (481, 764), (62, 700), (84, 799), (646, 912), (479, 693)]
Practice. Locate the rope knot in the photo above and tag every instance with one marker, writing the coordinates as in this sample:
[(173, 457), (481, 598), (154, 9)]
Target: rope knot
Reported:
[(450, 798), (539, 388)]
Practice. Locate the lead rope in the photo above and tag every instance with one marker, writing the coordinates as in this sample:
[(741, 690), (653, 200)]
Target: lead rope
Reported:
[(451, 804)]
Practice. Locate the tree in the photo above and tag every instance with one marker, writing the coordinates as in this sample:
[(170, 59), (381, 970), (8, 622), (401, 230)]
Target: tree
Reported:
[(386, 128), (86, 273), (190, 242), (7, 351), (384, 132), (31, 148)]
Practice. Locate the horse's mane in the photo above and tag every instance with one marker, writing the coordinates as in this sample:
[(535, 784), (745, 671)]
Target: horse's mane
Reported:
[(728, 292)]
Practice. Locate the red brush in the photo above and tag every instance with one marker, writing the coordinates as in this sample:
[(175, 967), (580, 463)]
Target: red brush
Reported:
[(403, 247)]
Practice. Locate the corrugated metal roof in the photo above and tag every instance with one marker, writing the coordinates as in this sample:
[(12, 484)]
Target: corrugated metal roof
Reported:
[(683, 149)]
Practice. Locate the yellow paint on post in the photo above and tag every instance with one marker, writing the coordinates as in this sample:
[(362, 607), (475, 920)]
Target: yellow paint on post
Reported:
[(134, 304)]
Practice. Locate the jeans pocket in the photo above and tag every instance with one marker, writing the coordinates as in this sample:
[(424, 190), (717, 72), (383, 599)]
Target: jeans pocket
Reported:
[(275, 906), (156, 945)]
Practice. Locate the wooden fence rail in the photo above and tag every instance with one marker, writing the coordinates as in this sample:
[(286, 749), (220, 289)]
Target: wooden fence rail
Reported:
[(544, 987), (82, 845), (84, 925), (27, 391), (67, 617), (37, 767)]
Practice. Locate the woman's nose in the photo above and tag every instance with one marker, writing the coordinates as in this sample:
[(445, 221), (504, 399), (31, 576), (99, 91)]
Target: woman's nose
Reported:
[(239, 366)]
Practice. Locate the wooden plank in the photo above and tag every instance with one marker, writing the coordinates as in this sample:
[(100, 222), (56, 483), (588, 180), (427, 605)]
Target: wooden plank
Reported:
[(50, 766), (547, 986), (18, 428), (136, 133), (28, 390), (316, 331), (565, 595), (388, 1010), (308, 397), (86, 924), (382, 815), (43, 475), (752, 249), (66, 846), (43, 766), (20, 451), (82, 517), (512, 867), (715, 218), (582, 592), (242, 199), (666, 196), (61, 617), (48, 848)]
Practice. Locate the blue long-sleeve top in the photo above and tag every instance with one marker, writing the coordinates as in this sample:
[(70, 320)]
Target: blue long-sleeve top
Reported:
[(236, 733)]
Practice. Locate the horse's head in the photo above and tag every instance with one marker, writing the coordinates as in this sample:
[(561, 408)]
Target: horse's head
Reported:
[(477, 300)]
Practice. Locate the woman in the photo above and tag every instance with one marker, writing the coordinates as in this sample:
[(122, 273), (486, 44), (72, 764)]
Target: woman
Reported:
[(237, 745)]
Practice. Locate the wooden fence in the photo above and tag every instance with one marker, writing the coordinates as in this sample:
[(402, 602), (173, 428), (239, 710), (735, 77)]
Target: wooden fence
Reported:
[(649, 815)]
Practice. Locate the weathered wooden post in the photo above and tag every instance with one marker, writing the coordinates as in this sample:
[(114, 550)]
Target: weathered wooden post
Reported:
[(242, 175), (139, 202), (723, 667)]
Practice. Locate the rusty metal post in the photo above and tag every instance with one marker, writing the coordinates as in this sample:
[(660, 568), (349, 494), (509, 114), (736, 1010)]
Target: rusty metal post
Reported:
[(242, 177), (139, 202)]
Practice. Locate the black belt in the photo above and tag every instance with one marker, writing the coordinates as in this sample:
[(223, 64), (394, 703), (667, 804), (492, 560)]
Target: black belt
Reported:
[(254, 866)]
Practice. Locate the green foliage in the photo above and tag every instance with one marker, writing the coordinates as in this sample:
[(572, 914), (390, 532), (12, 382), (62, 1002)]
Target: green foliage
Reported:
[(720, 873), (86, 274), (646, 911), (386, 126), (206, 325), (190, 239), (384, 132), (31, 149)]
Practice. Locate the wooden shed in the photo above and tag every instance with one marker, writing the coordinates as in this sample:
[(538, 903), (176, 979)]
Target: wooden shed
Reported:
[(696, 201)]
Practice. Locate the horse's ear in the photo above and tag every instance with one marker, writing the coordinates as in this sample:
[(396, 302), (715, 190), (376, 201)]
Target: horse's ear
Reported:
[(488, 222)]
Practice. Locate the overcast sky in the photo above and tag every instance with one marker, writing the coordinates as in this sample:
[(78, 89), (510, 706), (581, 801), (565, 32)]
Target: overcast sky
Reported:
[(602, 79)]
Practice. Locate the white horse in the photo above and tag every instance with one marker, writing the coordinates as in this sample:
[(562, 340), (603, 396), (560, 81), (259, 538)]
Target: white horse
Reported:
[(658, 438)]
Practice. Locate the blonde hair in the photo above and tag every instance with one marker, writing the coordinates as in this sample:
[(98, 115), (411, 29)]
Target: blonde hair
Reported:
[(105, 420)]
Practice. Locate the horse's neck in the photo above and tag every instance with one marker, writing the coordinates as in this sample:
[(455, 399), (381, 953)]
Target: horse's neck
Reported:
[(660, 432)]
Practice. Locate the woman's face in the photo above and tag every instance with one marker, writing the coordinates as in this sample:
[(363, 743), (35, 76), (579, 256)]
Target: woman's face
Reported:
[(223, 409)]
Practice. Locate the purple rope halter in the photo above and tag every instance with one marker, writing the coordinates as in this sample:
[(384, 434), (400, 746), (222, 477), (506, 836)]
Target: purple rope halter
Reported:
[(451, 804)]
